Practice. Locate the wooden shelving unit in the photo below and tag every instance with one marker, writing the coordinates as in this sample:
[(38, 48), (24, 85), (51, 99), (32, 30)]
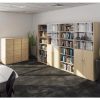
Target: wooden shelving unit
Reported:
[(66, 48), (72, 47), (42, 43)]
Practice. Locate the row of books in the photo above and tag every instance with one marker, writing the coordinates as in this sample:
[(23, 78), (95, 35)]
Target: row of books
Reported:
[(43, 59), (84, 45), (42, 53), (67, 35), (67, 67), (66, 27), (67, 43), (67, 59), (67, 51)]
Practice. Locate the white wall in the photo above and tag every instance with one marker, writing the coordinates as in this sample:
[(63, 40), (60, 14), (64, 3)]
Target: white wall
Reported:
[(75, 14), (15, 24)]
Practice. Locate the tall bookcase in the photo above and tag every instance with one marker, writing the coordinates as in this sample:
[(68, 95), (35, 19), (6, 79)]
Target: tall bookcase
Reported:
[(66, 47), (42, 43), (73, 47)]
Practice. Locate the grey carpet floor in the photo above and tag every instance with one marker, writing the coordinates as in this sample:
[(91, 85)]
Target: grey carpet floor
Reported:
[(45, 81)]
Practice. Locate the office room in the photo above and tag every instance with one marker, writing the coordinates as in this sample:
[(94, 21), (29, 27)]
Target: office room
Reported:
[(49, 49)]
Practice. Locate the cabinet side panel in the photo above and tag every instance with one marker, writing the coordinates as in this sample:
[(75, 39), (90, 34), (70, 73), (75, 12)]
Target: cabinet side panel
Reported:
[(96, 46), (49, 55), (56, 57)]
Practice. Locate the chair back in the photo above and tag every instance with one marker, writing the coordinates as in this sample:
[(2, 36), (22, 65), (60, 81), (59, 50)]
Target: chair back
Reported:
[(10, 83)]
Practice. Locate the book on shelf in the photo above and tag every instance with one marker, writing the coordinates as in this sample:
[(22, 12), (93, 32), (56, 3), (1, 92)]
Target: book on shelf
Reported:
[(67, 51), (71, 52), (64, 58), (64, 51), (68, 68), (71, 44), (64, 66)]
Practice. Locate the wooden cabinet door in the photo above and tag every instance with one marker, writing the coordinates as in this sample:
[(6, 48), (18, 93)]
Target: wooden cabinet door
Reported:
[(17, 50), (24, 49), (17, 44), (88, 65), (78, 62), (9, 51), (49, 55), (56, 57), (24, 43)]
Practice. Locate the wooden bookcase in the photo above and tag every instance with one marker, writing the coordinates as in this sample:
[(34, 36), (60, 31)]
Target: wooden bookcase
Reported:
[(74, 47), (42, 43), (66, 47)]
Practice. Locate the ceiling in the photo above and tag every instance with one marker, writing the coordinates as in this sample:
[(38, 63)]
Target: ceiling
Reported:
[(36, 7)]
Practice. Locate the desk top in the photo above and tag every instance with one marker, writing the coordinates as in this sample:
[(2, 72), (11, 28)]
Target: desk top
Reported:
[(5, 73)]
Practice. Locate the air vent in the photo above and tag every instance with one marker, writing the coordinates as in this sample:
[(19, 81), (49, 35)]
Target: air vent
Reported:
[(57, 5)]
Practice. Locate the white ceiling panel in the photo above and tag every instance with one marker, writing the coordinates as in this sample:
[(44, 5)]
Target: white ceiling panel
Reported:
[(36, 7)]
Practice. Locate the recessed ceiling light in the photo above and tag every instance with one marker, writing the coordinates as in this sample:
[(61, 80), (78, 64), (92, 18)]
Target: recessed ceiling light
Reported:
[(57, 5)]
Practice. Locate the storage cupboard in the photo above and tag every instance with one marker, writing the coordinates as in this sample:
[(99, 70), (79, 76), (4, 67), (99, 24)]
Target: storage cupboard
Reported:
[(14, 50)]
